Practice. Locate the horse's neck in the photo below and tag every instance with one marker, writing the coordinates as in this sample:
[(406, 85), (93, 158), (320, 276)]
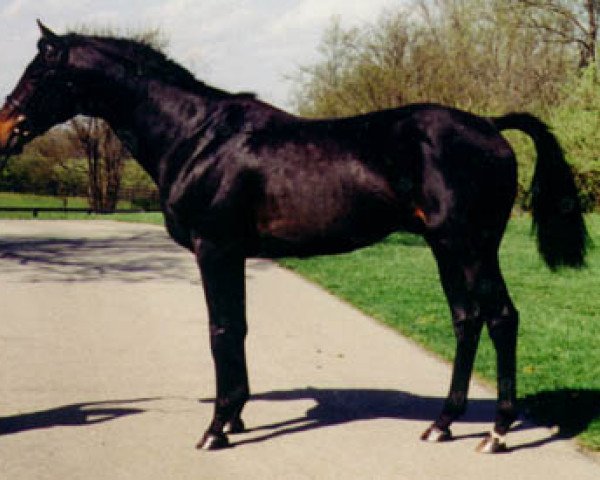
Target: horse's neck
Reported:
[(152, 118)]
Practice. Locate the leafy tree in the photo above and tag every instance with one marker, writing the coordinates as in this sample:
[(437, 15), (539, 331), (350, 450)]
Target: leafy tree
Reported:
[(472, 54), (105, 156), (46, 166), (573, 22)]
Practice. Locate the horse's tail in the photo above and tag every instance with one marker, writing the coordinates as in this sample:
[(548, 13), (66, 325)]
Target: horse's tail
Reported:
[(557, 218)]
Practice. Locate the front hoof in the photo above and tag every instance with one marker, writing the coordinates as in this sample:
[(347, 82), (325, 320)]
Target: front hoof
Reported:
[(235, 426), (213, 441), (435, 435), (493, 443)]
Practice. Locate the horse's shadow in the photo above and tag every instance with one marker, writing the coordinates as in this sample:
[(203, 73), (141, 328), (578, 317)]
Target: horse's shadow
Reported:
[(571, 411), (578, 408), (74, 415)]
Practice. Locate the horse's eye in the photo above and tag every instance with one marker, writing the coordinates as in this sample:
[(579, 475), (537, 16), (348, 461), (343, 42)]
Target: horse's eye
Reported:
[(52, 53)]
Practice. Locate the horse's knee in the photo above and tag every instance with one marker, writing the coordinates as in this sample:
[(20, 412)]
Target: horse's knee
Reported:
[(504, 326), (466, 323)]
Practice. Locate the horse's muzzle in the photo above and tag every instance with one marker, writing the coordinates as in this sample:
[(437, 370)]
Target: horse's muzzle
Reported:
[(12, 132)]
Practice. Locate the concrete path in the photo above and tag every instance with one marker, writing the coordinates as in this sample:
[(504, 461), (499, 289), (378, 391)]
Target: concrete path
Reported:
[(105, 373)]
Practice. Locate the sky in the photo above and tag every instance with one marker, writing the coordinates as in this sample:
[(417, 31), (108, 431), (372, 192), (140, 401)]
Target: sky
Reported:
[(236, 45)]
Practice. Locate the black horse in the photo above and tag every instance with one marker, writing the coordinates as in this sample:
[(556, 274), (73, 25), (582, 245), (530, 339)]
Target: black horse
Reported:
[(239, 178)]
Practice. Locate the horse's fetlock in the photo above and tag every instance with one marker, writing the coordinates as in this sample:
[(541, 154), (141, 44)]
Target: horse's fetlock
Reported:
[(507, 414), (455, 405)]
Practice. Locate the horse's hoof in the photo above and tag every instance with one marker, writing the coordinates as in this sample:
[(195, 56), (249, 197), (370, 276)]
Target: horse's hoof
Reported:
[(493, 443), (213, 441), (435, 434), (235, 426)]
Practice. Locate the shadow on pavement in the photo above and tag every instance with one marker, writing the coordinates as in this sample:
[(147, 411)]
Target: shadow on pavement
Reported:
[(338, 406), (571, 410), (77, 414), (136, 258)]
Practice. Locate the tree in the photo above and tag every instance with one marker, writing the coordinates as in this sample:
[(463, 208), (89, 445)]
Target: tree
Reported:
[(573, 22), (59, 153), (472, 54), (105, 156)]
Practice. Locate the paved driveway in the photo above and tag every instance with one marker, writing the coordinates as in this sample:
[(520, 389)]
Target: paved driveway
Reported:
[(105, 373)]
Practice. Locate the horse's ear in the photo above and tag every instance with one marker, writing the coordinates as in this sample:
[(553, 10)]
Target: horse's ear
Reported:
[(50, 46), (46, 32)]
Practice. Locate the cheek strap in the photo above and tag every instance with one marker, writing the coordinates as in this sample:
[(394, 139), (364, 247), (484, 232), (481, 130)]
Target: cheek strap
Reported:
[(13, 104)]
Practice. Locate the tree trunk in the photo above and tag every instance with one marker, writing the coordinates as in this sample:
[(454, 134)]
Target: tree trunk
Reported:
[(591, 7), (105, 155)]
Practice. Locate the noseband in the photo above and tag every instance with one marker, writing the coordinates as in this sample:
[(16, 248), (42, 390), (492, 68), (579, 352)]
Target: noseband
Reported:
[(13, 104)]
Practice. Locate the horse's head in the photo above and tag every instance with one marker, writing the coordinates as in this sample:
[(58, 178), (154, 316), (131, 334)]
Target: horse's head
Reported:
[(44, 96)]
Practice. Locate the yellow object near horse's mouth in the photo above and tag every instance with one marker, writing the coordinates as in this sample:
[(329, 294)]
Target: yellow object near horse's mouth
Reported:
[(9, 129)]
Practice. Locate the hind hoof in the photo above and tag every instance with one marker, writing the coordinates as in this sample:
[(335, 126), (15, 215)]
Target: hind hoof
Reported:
[(213, 441), (235, 426), (435, 435), (493, 443)]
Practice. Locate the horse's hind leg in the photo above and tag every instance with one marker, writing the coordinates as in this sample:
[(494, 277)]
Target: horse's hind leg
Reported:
[(502, 321), (223, 279), (457, 274), (476, 293)]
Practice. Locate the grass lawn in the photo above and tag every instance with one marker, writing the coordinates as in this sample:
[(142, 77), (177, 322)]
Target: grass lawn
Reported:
[(24, 200), (396, 281)]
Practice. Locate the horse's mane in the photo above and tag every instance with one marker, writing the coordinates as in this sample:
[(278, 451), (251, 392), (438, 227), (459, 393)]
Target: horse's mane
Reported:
[(149, 61)]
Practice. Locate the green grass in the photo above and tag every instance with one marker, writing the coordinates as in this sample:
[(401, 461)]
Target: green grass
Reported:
[(396, 282), (8, 199), (24, 200)]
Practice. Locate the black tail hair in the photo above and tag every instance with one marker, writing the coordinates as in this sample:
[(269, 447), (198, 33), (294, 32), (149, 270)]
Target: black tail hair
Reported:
[(557, 217)]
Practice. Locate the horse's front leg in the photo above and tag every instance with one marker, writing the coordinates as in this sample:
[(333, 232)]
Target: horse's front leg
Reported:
[(222, 270)]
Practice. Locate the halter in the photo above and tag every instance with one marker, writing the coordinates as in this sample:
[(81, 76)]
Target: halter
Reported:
[(14, 104)]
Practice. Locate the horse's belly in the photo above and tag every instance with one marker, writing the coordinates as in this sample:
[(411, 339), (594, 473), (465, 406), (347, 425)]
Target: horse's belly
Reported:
[(324, 230)]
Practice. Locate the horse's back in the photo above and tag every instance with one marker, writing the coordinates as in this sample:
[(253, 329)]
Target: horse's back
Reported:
[(292, 186)]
